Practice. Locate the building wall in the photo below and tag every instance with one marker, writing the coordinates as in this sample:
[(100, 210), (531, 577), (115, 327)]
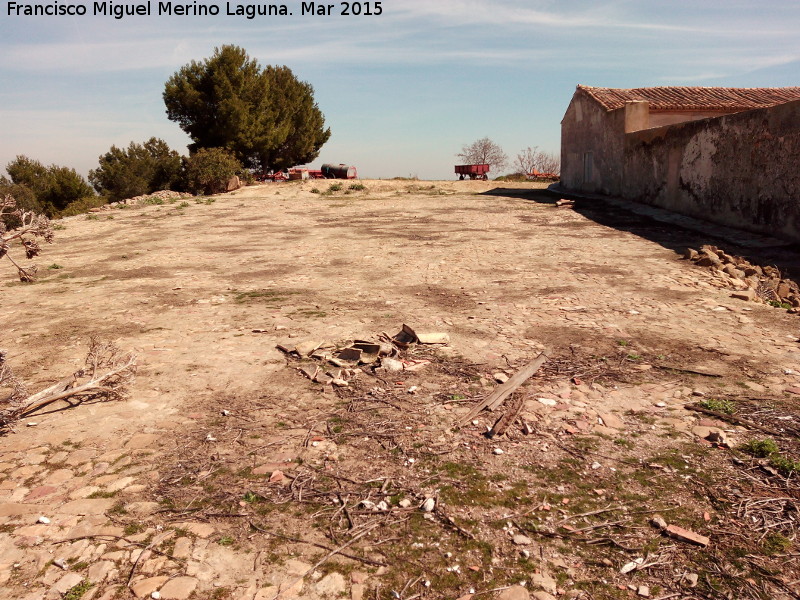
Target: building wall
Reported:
[(588, 129), (741, 169), (672, 117)]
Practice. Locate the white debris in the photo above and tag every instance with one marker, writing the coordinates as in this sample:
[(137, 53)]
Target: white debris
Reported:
[(43, 520), (429, 505)]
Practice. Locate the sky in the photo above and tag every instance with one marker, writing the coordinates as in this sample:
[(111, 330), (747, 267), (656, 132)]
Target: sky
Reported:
[(402, 91)]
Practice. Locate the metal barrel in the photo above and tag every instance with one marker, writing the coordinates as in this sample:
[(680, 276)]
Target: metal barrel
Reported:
[(339, 171)]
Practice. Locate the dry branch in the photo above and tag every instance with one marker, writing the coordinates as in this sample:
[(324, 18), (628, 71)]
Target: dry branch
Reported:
[(106, 374)]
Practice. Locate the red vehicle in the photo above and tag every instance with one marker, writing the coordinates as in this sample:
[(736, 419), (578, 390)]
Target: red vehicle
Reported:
[(472, 171)]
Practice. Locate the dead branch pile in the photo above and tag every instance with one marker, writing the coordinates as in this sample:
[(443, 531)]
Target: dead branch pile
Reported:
[(106, 375), (30, 228)]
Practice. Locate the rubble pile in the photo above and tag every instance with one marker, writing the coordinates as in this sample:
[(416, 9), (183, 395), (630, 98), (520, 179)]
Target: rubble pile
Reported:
[(752, 282), (379, 356), (162, 196)]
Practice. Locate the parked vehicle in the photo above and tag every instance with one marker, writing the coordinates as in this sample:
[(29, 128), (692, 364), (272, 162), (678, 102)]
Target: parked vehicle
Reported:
[(340, 171), (472, 171)]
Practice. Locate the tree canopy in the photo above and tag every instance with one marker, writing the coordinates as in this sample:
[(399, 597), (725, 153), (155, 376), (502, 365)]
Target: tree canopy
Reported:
[(53, 187), (265, 116), (137, 170), (484, 152)]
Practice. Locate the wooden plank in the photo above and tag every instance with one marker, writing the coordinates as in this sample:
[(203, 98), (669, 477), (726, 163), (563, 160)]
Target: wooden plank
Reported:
[(498, 396)]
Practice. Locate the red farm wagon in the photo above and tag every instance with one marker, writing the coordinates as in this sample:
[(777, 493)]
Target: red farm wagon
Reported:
[(472, 171)]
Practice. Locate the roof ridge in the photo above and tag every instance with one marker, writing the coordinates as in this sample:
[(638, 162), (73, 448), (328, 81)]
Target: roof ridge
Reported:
[(692, 97)]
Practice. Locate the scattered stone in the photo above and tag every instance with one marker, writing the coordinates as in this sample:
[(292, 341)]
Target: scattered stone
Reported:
[(547, 401), (500, 377), (746, 295), (643, 591), (333, 585), (516, 592), (628, 567), (658, 522), (67, 582), (405, 503), (544, 581), (611, 420), (179, 588), (43, 520), (391, 364), (691, 579), (183, 548), (498, 451), (429, 505), (522, 540), (543, 596)]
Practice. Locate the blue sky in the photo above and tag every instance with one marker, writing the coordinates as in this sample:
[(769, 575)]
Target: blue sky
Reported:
[(402, 92)]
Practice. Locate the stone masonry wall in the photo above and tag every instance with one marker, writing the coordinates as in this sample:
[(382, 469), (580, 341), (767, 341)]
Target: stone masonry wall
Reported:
[(741, 170)]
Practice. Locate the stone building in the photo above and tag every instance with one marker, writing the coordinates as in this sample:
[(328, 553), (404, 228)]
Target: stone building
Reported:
[(729, 155)]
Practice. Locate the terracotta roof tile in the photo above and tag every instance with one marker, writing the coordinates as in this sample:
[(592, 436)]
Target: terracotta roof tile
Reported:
[(693, 98)]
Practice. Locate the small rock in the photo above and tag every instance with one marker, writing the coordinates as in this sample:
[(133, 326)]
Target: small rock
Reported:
[(43, 520), (691, 579), (628, 567), (522, 540), (658, 522), (500, 377), (643, 591), (156, 595), (61, 563), (516, 592), (405, 503), (547, 401), (746, 295), (429, 505), (340, 383), (498, 451)]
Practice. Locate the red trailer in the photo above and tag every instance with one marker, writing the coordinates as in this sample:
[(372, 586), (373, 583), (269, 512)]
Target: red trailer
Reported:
[(472, 171)]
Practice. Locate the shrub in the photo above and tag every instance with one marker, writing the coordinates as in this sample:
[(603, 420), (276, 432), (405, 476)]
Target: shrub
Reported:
[(761, 448), (83, 205), (209, 169), (137, 170), (53, 187)]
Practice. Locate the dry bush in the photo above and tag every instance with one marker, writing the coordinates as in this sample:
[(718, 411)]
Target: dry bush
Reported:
[(29, 228), (106, 375)]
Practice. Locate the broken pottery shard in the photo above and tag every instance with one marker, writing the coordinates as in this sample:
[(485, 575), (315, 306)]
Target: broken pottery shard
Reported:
[(415, 365), (368, 359), (367, 347), (310, 372), (405, 337), (433, 338), (350, 354), (306, 348), (685, 535)]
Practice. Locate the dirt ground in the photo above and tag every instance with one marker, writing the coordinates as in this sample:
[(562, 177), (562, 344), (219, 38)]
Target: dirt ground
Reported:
[(228, 473)]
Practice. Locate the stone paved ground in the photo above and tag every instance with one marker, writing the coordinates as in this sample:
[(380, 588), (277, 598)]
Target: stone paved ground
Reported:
[(502, 274)]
